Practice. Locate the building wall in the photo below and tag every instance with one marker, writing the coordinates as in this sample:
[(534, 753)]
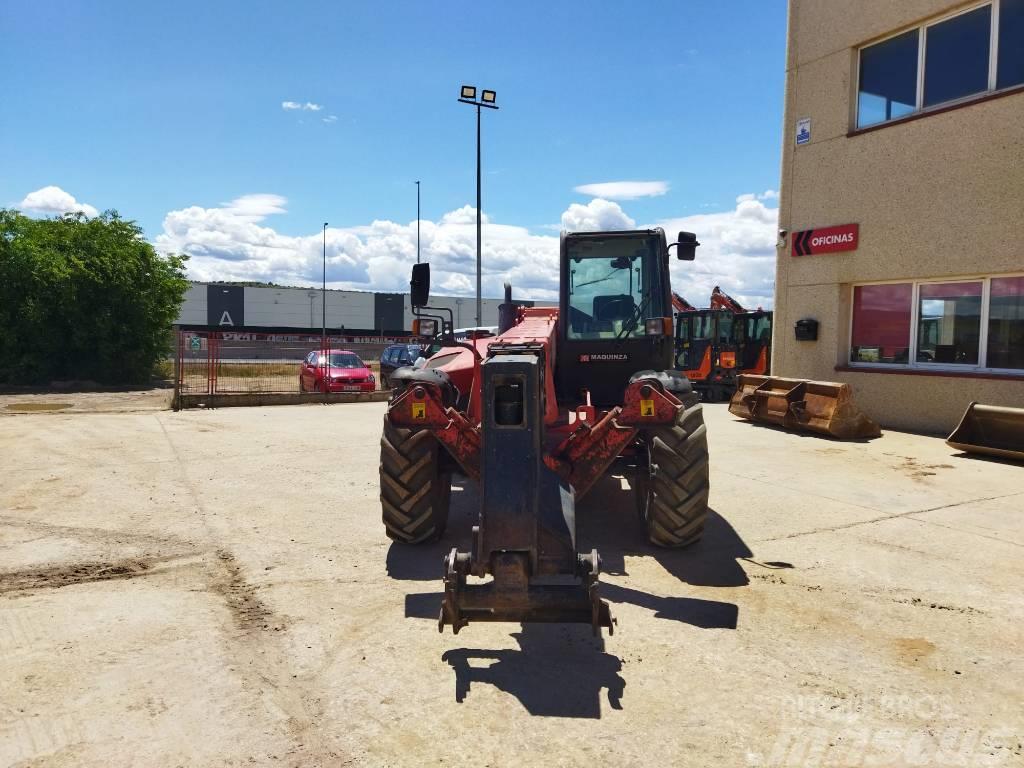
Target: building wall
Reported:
[(938, 196), (193, 308), (301, 308)]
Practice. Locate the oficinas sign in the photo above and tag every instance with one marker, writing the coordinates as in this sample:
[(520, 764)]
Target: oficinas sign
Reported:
[(811, 242)]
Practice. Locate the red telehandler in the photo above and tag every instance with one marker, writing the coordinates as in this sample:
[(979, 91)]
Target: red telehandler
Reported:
[(536, 416)]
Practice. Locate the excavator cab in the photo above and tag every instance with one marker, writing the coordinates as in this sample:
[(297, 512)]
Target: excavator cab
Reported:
[(706, 351), (713, 346)]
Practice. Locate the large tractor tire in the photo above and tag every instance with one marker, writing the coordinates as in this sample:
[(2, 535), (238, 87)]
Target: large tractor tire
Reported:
[(414, 493), (673, 497)]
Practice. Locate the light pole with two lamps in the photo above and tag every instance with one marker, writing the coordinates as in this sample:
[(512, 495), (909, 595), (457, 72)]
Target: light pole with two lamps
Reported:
[(467, 95)]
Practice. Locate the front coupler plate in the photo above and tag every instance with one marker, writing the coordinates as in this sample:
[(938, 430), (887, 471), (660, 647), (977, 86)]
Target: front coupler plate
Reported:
[(511, 596)]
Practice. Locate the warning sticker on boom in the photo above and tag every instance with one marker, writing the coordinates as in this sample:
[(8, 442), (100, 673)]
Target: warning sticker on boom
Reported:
[(419, 409), (646, 407)]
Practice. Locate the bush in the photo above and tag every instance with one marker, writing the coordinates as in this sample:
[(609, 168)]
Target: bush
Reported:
[(83, 299)]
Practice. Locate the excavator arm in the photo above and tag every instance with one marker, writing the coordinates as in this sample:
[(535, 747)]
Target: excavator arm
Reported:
[(679, 304), (722, 300)]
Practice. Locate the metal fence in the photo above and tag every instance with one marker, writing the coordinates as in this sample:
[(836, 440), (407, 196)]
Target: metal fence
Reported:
[(232, 362)]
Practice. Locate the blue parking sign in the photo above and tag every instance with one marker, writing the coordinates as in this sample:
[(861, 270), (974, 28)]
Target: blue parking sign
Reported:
[(803, 130)]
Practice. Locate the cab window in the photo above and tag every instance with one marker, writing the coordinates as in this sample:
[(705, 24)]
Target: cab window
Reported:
[(614, 286)]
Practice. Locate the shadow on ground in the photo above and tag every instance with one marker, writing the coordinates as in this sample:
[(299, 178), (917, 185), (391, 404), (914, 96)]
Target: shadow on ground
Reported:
[(986, 458), (560, 670), (806, 434), (424, 562), (606, 519)]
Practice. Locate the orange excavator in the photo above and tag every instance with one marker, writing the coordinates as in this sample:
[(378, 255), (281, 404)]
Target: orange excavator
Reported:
[(715, 345)]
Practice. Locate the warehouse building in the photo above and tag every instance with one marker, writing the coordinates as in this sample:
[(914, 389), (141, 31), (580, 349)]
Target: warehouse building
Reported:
[(901, 245), (279, 309)]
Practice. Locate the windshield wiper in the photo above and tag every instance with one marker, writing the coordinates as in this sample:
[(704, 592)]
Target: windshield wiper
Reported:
[(637, 314), (599, 280)]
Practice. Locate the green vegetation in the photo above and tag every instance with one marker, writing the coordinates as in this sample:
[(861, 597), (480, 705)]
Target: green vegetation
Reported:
[(83, 299)]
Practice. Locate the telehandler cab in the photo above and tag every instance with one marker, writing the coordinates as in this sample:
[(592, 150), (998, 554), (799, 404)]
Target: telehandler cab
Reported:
[(536, 416)]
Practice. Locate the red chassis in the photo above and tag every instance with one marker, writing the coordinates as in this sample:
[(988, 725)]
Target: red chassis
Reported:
[(584, 445)]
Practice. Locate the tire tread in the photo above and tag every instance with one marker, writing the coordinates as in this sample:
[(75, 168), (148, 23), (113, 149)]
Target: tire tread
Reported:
[(414, 495)]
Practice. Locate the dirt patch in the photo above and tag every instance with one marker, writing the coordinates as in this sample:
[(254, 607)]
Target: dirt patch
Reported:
[(33, 407), (16, 404), (247, 610), (771, 578), (913, 649), (74, 573), (938, 606), (917, 470)]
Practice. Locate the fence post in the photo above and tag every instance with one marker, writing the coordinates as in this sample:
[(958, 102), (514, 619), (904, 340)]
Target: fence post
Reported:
[(176, 400), (209, 362), (325, 345), (216, 361)]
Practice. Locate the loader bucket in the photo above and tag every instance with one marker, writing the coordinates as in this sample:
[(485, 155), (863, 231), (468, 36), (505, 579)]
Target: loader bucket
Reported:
[(992, 430), (825, 407)]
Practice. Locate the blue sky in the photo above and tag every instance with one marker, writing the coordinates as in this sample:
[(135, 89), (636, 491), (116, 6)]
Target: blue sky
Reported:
[(157, 108)]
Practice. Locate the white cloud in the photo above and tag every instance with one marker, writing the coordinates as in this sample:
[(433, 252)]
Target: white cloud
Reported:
[(458, 284), (257, 206), (54, 201), (598, 214), (330, 119), (768, 194), (624, 190), (737, 252), (234, 242), (308, 106)]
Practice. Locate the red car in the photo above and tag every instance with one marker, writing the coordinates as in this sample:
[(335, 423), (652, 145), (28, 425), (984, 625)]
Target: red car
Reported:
[(337, 371)]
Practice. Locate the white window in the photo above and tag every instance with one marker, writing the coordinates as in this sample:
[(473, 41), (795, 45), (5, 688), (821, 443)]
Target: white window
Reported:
[(957, 57), (962, 324)]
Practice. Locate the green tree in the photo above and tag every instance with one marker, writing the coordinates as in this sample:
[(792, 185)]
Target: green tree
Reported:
[(83, 298)]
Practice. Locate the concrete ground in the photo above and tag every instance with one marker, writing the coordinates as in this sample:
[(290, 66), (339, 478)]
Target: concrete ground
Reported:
[(215, 588)]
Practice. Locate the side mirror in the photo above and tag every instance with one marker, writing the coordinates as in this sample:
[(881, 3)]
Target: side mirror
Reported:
[(419, 285), (686, 246)]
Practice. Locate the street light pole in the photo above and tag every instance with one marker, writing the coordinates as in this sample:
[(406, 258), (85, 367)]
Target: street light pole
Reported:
[(417, 222), (479, 268), (487, 99), (323, 297)]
